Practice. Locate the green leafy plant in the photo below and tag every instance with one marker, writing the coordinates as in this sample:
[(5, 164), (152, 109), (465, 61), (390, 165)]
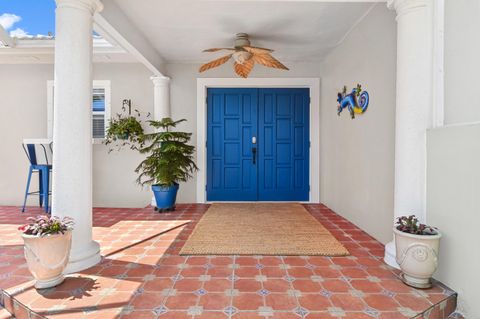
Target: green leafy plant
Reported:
[(125, 129), (45, 225), (170, 158), (411, 225)]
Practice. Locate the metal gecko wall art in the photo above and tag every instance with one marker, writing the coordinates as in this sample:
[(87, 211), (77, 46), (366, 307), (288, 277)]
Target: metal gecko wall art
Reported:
[(356, 101)]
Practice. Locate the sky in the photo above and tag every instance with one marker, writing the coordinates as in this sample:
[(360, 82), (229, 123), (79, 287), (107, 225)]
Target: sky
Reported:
[(27, 18)]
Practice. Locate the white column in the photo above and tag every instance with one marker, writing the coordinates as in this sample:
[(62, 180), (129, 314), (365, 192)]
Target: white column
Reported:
[(161, 97), (72, 128), (413, 108), (161, 103)]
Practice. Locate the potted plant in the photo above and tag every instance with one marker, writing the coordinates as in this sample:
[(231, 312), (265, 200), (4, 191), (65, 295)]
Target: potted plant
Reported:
[(417, 248), (125, 128), (47, 241), (169, 161)]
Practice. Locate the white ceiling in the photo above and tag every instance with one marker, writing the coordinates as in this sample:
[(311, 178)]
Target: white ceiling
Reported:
[(297, 31)]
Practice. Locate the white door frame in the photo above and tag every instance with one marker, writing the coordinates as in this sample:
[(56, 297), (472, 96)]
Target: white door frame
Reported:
[(311, 83)]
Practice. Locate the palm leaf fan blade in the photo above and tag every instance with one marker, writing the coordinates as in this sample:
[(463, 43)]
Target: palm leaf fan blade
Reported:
[(257, 50), (269, 61), (244, 69), (215, 63), (218, 49)]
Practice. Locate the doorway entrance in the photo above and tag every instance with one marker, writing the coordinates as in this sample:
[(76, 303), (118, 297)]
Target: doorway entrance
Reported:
[(258, 144)]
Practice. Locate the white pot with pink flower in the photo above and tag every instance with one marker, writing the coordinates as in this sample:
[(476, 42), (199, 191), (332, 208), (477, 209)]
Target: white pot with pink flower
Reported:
[(417, 246), (47, 243)]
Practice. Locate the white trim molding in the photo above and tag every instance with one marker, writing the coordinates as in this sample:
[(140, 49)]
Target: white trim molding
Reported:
[(6, 39), (91, 5), (438, 74), (311, 83), (406, 6), (101, 84)]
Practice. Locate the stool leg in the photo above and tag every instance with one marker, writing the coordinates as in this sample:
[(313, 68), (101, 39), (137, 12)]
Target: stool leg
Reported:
[(28, 188), (45, 185), (40, 187), (49, 170)]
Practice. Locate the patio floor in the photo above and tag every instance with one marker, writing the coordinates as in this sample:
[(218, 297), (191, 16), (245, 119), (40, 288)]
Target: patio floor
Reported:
[(142, 276)]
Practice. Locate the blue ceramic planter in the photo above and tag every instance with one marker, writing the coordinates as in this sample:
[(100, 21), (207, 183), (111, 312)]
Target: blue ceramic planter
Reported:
[(165, 196)]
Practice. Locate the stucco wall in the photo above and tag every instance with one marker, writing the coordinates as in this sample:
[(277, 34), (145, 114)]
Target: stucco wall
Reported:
[(184, 95), (453, 173), (453, 189), (24, 114), (357, 156), (462, 64)]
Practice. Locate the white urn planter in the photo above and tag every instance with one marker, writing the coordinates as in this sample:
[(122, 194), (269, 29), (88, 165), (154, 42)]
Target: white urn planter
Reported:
[(47, 256), (417, 256)]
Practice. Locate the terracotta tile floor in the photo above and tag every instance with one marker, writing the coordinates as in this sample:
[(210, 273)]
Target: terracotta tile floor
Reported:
[(142, 276)]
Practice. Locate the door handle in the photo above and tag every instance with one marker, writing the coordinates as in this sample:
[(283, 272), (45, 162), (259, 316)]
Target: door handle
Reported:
[(254, 155)]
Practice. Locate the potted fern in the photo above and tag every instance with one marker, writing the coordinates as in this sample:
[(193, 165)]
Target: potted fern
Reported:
[(125, 129), (169, 161)]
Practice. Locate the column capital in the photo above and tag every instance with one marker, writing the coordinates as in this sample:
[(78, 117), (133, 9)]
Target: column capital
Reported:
[(92, 6), (160, 80), (406, 6)]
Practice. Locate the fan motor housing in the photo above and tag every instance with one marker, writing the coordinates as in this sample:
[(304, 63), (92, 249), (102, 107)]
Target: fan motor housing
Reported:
[(241, 40)]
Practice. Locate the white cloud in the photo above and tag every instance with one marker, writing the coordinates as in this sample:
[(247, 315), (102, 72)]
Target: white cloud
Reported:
[(20, 33), (7, 20)]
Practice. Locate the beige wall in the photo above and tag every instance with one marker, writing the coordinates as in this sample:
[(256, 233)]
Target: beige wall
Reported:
[(453, 191), (462, 63), (453, 173), (357, 156), (184, 96), (24, 114)]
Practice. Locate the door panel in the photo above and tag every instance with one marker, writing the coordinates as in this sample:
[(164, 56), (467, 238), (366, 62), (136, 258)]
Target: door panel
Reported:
[(283, 150), (232, 121), (279, 119)]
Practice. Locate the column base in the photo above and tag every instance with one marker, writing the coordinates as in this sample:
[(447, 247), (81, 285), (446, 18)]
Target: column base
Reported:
[(153, 203), (84, 258), (44, 284), (390, 254)]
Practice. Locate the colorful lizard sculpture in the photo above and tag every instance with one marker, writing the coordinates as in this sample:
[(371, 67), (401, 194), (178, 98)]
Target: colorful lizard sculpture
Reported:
[(355, 102)]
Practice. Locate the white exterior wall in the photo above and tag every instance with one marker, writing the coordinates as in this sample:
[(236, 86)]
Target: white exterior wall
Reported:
[(462, 64), (183, 95), (357, 156), (453, 189), (24, 114), (453, 173)]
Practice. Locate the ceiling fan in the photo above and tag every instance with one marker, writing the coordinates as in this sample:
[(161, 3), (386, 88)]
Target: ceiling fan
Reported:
[(245, 57)]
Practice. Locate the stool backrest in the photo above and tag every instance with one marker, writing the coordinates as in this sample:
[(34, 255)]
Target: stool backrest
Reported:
[(30, 151)]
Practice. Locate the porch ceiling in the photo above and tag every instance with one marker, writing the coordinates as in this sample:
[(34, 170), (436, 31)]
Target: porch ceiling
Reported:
[(297, 31)]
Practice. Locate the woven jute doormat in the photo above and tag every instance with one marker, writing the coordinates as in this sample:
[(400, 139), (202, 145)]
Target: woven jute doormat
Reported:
[(261, 229)]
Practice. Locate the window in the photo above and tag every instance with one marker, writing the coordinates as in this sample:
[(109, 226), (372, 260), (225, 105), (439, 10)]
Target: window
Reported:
[(100, 108)]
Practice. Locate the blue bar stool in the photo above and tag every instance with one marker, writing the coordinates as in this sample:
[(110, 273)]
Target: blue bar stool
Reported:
[(43, 171)]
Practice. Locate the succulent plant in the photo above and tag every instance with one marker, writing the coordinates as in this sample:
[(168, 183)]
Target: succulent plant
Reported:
[(411, 225), (44, 225)]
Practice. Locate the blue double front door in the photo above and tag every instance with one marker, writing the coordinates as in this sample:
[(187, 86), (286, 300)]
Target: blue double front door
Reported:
[(258, 144)]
